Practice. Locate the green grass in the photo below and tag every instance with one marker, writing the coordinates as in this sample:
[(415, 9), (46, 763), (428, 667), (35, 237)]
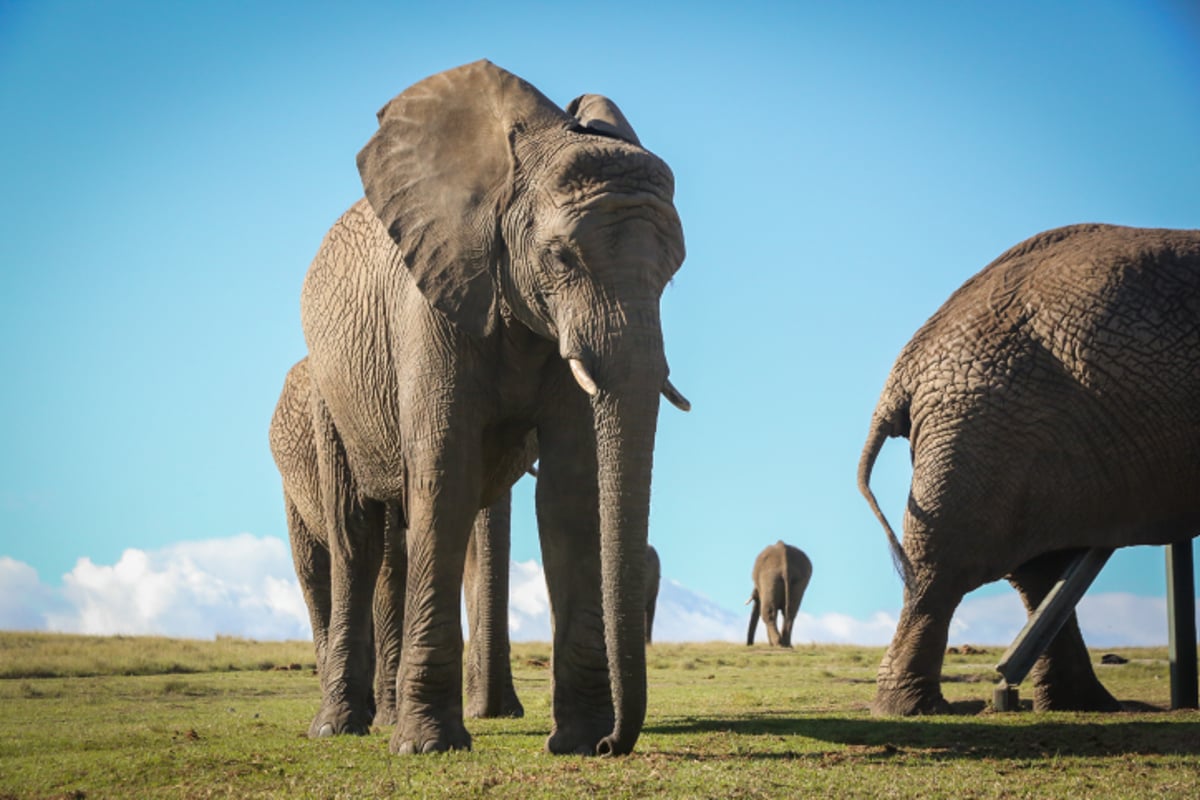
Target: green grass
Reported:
[(91, 717)]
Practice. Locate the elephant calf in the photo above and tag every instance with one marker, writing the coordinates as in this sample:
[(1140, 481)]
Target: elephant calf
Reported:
[(1052, 404), (781, 575), (490, 689)]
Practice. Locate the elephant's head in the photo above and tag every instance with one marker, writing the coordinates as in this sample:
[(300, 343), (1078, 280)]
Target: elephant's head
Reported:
[(498, 199)]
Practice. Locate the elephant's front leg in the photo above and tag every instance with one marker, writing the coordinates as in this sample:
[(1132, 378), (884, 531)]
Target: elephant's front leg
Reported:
[(569, 529), (442, 506)]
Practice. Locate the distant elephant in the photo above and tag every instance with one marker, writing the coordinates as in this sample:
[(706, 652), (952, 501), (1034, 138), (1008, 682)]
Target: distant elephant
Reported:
[(781, 574), (653, 576), (502, 277), (490, 691), (1052, 405)]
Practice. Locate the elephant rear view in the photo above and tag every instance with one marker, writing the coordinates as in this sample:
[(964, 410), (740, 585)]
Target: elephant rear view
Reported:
[(781, 575), (1052, 404)]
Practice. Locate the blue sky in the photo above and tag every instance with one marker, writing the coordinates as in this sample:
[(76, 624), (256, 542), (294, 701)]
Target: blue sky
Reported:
[(170, 168)]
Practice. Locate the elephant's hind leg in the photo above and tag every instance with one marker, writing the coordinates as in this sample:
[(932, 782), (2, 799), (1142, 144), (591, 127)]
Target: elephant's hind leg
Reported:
[(490, 691), (311, 559), (355, 528), (770, 618), (1063, 678), (389, 616), (785, 634), (909, 678)]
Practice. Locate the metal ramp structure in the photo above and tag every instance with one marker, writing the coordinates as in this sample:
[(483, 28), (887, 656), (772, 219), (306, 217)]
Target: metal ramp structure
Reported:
[(1045, 623)]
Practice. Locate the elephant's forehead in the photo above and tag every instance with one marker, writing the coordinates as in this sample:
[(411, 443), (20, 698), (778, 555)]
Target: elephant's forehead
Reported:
[(606, 167)]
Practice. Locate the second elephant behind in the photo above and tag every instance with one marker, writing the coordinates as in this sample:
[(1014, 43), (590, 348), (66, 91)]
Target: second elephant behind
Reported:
[(489, 685), (781, 575)]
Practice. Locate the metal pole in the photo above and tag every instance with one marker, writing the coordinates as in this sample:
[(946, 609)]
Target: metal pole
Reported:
[(1181, 624), (1045, 623)]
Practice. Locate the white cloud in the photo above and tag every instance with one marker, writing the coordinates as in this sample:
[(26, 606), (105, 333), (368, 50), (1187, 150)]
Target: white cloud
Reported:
[(24, 601), (1106, 620), (528, 603), (246, 586), (242, 586), (838, 628)]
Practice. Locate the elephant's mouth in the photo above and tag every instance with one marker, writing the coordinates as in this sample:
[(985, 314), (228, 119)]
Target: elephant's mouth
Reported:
[(588, 384)]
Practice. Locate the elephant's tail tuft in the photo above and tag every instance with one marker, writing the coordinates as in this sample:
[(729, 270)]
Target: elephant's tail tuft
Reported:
[(891, 418)]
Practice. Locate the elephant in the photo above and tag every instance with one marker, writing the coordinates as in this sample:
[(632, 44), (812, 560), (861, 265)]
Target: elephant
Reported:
[(653, 576), (1052, 405), (501, 277), (490, 691), (781, 574)]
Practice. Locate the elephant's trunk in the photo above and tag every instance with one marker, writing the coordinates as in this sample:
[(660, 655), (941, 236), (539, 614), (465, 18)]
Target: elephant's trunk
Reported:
[(626, 417), (755, 608)]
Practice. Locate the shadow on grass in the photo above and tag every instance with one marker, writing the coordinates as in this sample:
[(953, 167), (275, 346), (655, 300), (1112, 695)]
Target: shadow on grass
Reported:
[(953, 737)]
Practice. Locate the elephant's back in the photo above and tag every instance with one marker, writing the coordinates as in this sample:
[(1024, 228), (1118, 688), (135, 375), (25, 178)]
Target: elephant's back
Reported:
[(355, 300), (1064, 380), (293, 446), (1081, 296)]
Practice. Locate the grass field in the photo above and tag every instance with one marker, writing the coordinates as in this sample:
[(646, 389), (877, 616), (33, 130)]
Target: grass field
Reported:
[(92, 717)]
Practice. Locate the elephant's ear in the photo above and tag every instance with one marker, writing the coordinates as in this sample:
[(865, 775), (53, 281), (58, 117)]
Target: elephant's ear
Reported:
[(439, 172), (597, 114)]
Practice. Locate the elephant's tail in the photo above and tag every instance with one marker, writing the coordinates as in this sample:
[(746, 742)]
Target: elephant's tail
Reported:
[(891, 418)]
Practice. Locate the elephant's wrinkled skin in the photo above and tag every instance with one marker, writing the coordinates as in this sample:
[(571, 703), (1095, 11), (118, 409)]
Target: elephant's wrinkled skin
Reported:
[(490, 689), (501, 277), (1052, 404), (781, 574)]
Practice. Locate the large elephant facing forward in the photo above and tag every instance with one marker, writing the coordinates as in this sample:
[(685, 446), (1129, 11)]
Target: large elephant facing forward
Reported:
[(781, 574), (490, 691), (1052, 404), (502, 276)]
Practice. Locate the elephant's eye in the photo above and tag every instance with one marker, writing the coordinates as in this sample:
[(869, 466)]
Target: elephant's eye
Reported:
[(561, 260)]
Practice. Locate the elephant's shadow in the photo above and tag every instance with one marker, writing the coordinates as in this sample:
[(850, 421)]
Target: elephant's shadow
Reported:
[(947, 739)]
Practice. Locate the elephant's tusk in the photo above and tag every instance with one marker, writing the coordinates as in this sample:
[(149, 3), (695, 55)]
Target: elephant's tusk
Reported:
[(677, 399), (582, 377)]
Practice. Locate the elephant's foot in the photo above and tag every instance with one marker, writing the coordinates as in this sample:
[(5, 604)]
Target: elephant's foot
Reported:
[(1083, 695), (335, 719), (579, 735), (386, 713), (509, 706), (416, 734), (484, 705), (908, 699)]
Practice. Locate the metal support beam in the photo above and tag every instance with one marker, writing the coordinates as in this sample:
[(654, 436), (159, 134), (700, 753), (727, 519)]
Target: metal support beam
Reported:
[(1181, 624), (1045, 623)]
